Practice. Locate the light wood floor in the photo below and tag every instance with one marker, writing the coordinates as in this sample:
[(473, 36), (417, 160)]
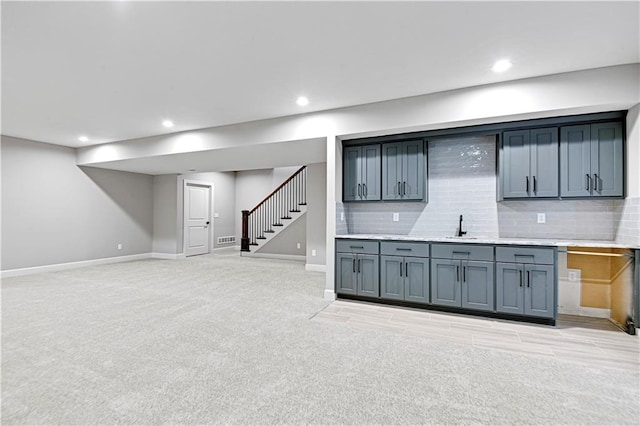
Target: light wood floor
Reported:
[(575, 339)]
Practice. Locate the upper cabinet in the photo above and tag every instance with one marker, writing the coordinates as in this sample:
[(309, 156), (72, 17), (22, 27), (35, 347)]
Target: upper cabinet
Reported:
[(361, 173), (403, 170), (592, 160), (530, 163)]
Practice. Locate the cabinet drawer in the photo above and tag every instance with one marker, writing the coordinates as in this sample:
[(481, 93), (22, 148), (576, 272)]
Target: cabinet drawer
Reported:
[(357, 246), (404, 249), (462, 251), (525, 255)]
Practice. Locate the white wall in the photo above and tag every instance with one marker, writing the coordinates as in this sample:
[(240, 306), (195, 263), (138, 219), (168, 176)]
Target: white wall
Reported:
[(633, 152), (56, 212), (316, 213), (165, 214)]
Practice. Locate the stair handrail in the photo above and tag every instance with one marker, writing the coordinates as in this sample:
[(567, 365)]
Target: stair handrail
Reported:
[(278, 189)]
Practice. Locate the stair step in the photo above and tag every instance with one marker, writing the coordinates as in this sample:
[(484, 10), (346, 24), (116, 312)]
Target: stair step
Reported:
[(261, 238), (294, 211), (253, 244), (285, 217), (302, 204), (269, 231), (277, 224)]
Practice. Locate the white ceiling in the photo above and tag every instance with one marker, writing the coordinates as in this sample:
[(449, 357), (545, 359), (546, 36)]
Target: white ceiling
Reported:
[(114, 70)]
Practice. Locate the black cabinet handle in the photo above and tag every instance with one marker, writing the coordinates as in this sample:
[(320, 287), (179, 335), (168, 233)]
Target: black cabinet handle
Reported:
[(400, 188), (528, 279), (461, 252), (406, 269), (464, 274), (358, 265), (354, 266), (364, 189), (355, 247), (404, 188), (520, 278), (359, 190), (535, 185), (527, 183), (403, 249), (400, 268), (457, 273), (588, 180), (595, 181)]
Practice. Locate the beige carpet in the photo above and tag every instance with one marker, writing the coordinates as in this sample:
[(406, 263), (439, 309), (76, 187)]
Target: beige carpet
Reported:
[(231, 340)]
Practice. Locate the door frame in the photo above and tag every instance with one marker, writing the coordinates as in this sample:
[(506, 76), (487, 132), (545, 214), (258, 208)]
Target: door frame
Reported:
[(185, 183)]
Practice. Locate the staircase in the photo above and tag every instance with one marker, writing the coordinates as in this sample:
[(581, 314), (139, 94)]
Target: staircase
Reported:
[(273, 214)]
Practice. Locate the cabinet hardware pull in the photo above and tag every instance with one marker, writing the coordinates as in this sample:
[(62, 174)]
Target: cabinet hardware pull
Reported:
[(404, 188), (354, 265), (535, 185), (595, 181), (358, 265), (464, 274), (528, 279), (520, 278), (361, 247), (457, 273), (527, 183), (400, 268), (588, 180), (406, 269), (461, 252), (364, 189), (399, 188), (359, 190), (403, 249)]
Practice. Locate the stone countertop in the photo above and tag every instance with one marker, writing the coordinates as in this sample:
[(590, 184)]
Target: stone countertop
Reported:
[(489, 240)]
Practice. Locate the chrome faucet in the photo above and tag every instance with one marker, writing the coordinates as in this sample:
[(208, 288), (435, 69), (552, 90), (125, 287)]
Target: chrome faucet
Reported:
[(460, 232)]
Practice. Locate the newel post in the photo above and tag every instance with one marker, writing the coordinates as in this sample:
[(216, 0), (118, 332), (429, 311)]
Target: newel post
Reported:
[(244, 241)]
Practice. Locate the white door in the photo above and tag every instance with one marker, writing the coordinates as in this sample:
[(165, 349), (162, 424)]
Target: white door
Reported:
[(197, 218)]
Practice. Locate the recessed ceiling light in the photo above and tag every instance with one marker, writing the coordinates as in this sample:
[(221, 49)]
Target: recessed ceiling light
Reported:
[(302, 101), (501, 66), (83, 139), (167, 123)]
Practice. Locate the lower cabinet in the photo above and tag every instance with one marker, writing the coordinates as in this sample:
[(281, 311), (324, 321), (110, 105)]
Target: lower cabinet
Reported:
[(459, 281), (357, 268), (404, 278), (524, 287)]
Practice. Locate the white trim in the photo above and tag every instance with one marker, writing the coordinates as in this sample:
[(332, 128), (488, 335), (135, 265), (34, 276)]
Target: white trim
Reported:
[(329, 294), (594, 312), (72, 265), (167, 256), (315, 268), (295, 257), (185, 183), (228, 248)]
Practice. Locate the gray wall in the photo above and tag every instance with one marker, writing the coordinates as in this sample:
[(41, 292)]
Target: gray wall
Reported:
[(55, 212), (316, 213), (286, 242), (165, 214)]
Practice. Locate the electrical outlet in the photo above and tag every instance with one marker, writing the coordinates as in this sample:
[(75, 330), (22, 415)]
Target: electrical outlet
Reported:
[(119, 246), (216, 214), (313, 252), (396, 217), (298, 246), (342, 216), (542, 218), (573, 276)]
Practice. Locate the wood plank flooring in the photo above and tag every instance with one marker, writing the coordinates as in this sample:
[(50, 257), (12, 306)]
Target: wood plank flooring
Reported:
[(576, 339)]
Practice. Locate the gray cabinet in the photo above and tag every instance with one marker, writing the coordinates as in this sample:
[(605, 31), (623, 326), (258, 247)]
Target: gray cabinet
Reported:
[(462, 276), (529, 163), (526, 281), (361, 173), (403, 170), (404, 271), (357, 268), (592, 160)]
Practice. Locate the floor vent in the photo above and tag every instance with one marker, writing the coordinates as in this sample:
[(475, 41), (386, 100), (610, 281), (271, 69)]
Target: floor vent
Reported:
[(227, 240)]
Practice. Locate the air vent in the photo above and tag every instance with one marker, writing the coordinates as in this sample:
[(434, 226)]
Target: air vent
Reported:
[(227, 240)]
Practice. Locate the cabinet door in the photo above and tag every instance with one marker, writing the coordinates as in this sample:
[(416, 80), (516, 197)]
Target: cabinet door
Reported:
[(445, 282), (370, 166), (413, 170), (346, 273), (575, 161), (509, 288), (392, 171), (416, 280), (368, 275), (539, 294), (607, 159), (392, 273), (477, 285), (351, 173), (544, 162), (515, 166)]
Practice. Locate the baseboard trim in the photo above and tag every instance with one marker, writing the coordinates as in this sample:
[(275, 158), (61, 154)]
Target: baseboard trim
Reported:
[(594, 312), (329, 295), (295, 257), (166, 256), (72, 265), (315, 268)]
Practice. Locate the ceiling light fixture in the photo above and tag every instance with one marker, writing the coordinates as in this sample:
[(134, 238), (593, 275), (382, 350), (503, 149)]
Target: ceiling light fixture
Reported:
[(501, 66), (83, 139), (302, 101), (167, 123)]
